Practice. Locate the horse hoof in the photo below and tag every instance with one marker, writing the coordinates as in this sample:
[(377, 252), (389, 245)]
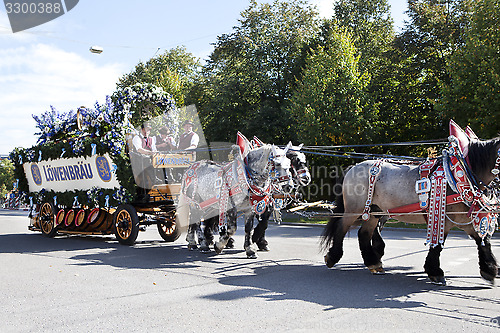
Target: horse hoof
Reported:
[(230, 244), (488, 276), (204, 249), (250, 252), (377, 271), (328, 262), (438, 280), (264, 248), (218, 248)]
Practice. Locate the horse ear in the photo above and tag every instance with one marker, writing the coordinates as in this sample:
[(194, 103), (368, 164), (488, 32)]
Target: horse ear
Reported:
[(243, 143), (462, 138), (470, 133), (273, 150), (257, 142), (288, 146)]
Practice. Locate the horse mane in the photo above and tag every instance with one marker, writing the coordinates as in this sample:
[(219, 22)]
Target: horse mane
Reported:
[(261, 155), (482, 155)]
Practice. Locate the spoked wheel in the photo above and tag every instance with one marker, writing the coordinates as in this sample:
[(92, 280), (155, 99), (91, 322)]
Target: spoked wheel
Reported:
[(47, 219), (168, 228), (126, 224)]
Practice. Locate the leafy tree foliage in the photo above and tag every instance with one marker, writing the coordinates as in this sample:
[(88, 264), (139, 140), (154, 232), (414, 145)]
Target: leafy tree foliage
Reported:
[(285, 74), (473, 94), (6, 177), (329, 102), (371, 26), (251, 73), (175, 71)]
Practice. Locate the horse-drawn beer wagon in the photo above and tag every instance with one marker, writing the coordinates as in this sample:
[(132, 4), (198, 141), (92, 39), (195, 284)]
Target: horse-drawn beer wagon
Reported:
[(84, 177)]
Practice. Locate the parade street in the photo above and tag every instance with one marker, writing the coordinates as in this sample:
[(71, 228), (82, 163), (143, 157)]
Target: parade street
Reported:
[(94, 284)]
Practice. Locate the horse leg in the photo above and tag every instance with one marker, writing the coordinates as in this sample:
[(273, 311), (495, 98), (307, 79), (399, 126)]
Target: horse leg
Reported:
[(226, 233), (432, 265), (210, 228), (249, 230), (488, 267), (371, 258), (194, 225), (259, 233), (334, 235), (200, 232), (190, 238), (377, 241)]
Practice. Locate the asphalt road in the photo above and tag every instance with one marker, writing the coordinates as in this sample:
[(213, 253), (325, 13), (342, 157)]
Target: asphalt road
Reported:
[(94, 284)]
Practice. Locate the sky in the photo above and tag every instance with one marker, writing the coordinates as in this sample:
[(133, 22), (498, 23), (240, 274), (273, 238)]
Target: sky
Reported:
[(51, 65)]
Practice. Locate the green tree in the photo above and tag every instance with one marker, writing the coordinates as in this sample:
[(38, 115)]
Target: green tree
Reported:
[(175, 71), (371, 25), (251, 72), (473, 94), (329, 101), (409, 86), (6, 177)]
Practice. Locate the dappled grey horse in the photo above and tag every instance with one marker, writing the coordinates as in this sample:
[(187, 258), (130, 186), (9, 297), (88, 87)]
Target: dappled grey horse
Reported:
[(395, 187), (214, 190), (300, 177)]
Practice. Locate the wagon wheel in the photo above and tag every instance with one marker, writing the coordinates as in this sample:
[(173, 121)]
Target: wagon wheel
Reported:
[(126, 224), (47, 219), (168, 229)]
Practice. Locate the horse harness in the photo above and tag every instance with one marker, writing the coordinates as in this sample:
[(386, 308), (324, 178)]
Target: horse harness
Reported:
[(228, 185), (435, 174)]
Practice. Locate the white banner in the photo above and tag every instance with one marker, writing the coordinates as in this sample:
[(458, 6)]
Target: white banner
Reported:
[(69, 174)]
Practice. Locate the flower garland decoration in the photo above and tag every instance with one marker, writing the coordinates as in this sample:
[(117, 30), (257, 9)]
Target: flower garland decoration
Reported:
[(102, 129)]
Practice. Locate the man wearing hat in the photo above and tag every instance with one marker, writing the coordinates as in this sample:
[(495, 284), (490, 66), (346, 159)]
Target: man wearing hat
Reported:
[(143, 143), (164, 141), (188, 139)]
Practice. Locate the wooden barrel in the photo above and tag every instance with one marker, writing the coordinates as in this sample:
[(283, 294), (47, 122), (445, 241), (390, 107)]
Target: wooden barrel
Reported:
[(100, 220), (80, 216), (69, 219), (61, 213)]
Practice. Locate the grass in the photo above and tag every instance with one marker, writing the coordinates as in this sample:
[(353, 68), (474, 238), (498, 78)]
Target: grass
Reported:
[(306, 220)]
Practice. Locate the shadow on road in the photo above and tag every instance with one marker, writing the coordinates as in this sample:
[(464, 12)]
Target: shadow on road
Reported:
[(353, 287), (102, 250)]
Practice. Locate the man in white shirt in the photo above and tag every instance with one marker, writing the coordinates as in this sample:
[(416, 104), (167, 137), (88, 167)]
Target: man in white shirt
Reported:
[(142, 142)]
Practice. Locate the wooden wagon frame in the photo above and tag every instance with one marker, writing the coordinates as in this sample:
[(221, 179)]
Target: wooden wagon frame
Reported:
[(158, 206)]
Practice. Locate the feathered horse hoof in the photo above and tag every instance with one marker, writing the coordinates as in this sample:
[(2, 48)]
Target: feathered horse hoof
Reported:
[(218, 247), (328, 262), (230, 243), (377, 269), (438, 280), (251, 254), (264, 248), (488, 277)]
